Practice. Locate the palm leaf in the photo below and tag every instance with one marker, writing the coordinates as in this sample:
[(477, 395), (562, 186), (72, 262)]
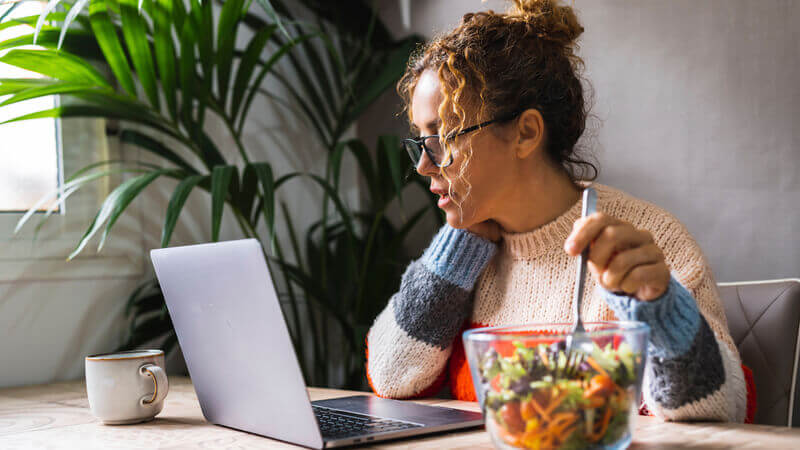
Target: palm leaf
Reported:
[(228, 25), (114, 204), (204, 21), (135, 33), (43, 91), (220, 183), (49, 8), (176, 203), (73, 13), (28, 20), (264, 173), (390, 146), (186, 67), (15, 85), (247, 191), (265, 68), (54, 64), (79, 43), (71, 185), (273, 15), (106, 35), (247, 66), (376, 84), (147, 143), (165, 53)]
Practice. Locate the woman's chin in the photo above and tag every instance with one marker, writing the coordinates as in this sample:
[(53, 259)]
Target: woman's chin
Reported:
[(454, 219)]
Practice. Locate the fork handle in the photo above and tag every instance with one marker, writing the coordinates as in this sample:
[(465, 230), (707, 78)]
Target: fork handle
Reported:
[(589, 207)]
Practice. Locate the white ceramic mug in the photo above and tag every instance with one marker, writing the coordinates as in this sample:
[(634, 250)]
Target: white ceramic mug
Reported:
[(126, 387)]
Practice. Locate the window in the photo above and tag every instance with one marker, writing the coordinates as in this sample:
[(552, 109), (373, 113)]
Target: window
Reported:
[(30, 160)]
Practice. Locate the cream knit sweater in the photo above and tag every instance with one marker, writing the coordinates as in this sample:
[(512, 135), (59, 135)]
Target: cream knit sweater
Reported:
[(463, 281)]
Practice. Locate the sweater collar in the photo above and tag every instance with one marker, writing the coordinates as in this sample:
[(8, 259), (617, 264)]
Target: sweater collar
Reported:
[(542, 240)]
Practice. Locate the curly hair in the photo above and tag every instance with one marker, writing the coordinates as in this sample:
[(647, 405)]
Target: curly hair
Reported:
[(495, 64)]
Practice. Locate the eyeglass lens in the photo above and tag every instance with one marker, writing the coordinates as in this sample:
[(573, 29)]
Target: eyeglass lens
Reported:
[(434, 150)]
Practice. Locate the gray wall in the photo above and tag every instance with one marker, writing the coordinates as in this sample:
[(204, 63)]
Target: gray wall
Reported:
[(696, 103)]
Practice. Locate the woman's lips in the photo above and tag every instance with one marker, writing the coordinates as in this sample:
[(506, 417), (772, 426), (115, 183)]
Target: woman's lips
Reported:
[(444, 200), (444, 196)]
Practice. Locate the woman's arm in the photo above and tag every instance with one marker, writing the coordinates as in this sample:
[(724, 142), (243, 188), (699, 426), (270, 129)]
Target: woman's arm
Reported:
[(690, 373), (410, 342), (663, 279)]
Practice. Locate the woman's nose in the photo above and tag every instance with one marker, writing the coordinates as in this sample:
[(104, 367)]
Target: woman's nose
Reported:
[(426, 167)]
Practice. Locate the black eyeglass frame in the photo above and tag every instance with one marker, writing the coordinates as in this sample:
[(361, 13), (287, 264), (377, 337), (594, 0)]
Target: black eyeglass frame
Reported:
[(420, 141)]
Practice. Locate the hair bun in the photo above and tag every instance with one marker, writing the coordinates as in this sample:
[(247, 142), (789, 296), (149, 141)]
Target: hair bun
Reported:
[(551, 20)]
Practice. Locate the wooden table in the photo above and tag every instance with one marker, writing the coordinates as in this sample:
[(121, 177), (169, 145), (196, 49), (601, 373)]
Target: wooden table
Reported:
[(57, 416)]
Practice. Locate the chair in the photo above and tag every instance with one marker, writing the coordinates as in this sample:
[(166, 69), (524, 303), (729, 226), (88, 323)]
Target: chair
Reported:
[(764, 320)]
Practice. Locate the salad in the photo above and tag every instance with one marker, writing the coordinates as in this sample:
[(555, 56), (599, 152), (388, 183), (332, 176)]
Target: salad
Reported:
[(537, 398)]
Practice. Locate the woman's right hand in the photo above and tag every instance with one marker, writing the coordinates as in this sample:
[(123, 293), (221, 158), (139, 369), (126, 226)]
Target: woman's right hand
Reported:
[(488, 229)]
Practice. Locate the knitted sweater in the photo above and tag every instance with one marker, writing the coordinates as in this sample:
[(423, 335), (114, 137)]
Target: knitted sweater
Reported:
[(463, 281)]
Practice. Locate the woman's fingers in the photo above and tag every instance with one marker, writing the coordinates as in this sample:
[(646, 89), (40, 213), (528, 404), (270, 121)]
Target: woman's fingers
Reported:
[(585, 230), (625, 262), (621, 257), (615, 239), (647, 282)]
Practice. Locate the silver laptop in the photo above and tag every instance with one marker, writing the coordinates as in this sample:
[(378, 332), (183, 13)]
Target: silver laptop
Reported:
[(240, 356)]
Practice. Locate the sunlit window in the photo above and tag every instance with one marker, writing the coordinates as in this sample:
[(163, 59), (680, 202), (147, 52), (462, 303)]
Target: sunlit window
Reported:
[(29, 150)]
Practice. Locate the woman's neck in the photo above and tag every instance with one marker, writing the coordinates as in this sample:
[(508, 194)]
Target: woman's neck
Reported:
[(537, 200)]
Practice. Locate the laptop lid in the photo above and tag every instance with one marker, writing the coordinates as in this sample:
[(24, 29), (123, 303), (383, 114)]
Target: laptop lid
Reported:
[(234, 338)]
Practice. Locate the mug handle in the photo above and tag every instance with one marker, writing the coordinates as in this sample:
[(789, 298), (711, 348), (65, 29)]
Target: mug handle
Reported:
[(159, 380)]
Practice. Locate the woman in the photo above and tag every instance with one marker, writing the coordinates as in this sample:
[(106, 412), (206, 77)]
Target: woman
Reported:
[(510, 188)]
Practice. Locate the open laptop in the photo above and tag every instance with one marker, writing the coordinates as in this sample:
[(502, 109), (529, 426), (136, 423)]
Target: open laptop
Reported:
[(240, 356)]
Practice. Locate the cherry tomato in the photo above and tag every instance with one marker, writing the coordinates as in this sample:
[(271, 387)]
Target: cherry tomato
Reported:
[(512, 417)]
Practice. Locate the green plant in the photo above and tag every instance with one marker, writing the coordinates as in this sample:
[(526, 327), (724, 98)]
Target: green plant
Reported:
[(173, 65)]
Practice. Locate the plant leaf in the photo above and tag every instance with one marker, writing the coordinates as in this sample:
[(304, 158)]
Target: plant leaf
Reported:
[(220, 182), (227, 28), (55, 64), (114, 204), (264, 70), (73, 12), (211, 153), (14, 85), (247, 66), (126, 196), (390, 145), (106, 35), (272, 14), (50, 7), (248, 191), (135, 33), (146, 142), (165, 53), (264, 173), (79, 43), (376, 84), (186, 66), (43, 91), (176, 203), (71, 185), (203, 17), (27, 20)]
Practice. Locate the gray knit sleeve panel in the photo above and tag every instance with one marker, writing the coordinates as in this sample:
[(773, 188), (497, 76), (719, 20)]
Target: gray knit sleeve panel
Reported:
[(430, 308), (694, 375)]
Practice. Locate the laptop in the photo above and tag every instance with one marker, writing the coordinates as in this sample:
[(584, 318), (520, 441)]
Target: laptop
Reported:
[(240, 357)]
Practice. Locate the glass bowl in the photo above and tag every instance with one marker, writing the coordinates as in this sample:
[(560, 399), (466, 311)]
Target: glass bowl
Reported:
[(534, 395)]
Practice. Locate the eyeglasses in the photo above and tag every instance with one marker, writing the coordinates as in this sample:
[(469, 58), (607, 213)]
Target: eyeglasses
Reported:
[(432, 145)]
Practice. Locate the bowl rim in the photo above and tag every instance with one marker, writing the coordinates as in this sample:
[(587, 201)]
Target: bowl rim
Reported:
[(491, 333)]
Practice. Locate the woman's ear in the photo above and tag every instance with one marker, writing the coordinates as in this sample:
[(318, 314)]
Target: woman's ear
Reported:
[(530, 128)]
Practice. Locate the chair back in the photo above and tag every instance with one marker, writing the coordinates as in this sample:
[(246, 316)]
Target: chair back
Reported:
[(764, 320)]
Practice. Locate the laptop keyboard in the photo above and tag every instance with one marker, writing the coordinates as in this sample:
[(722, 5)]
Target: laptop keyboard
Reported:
[(340, 424)]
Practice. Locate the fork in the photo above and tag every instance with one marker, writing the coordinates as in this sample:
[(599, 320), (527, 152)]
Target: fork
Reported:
[(578, 344)]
